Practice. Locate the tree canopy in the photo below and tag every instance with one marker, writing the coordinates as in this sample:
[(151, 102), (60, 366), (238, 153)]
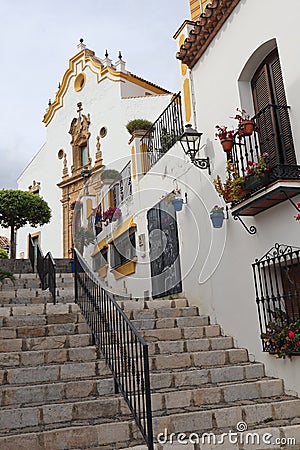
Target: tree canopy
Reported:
[(18, 208)]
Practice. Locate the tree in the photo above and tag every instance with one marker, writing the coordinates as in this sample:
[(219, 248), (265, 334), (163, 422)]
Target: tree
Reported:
[(17, 208)]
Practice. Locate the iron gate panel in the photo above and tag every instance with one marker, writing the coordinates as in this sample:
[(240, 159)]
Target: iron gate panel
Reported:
[(164, 250)]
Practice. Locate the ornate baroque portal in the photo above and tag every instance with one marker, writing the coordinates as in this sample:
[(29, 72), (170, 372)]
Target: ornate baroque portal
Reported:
[(72, 185)]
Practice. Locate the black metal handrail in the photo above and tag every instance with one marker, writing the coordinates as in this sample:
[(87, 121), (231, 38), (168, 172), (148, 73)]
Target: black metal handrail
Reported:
[(124, 349), (163, 134), (45, 267), (277, 287), (122, 189), (272, 136)]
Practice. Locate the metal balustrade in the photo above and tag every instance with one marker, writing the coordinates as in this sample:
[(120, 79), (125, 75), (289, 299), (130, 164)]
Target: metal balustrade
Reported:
[(272, 136), (163, 134), (124, 349)]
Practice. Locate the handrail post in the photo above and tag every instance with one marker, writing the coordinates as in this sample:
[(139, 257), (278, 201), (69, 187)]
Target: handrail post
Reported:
[(148, 398), (75, 275)]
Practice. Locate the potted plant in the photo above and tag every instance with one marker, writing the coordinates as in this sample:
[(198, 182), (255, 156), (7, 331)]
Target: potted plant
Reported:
[(282, 337), (226, 137), (232, 190), (138, 125), (109, 176), (257, 173), (175, 198), (217, 216), (111, 215), (246, 125)]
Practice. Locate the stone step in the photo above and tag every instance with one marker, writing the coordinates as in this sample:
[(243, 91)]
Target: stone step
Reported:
[(33, 310), (170, 322), (56, 391), (54, 372), (192, 377), (277, 437), (118, 434), (198, 359), (140, 303), (62, 414), (227, 393), (190, 345), (10, 342), (160, 313), (58, 329), (45, 357), (252, 413), (173, 334)]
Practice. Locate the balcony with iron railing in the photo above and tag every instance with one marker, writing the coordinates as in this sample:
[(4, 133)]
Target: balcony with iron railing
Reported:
[(273, 138), (163, 134), (122, 188)]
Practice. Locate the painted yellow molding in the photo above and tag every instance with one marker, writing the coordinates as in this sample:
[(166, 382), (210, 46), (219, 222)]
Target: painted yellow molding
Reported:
[(84, 57), (100, 246), (126, 269), (129, 223), (103, 271), (183, 66), (187, 99), (133, 162)]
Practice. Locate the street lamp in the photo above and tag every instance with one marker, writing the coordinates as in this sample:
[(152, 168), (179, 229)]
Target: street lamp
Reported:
[(190, 142)]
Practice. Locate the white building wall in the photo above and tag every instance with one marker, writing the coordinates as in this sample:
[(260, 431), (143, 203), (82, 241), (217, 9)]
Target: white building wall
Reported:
[(102, 100)]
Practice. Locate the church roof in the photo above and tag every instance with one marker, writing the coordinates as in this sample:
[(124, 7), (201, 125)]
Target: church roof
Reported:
[(204, 30)]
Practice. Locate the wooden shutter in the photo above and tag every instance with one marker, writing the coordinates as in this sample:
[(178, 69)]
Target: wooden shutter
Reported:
[(274, 124)]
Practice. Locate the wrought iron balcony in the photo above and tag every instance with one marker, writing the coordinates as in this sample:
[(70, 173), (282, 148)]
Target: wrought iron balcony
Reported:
[(277, 288), (122, 189), (272, 136), (163, 134)]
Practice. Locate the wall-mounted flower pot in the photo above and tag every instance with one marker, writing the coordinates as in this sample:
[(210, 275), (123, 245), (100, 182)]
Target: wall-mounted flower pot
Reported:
[(227, 144), (246, 127), (217, 219), (177, 203)]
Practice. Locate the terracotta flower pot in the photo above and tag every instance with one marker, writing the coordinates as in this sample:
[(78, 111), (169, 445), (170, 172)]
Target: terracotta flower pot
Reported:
[(246, 127), (227, 144)]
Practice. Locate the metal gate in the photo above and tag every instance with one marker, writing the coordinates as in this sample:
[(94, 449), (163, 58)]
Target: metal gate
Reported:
[(164, 250)]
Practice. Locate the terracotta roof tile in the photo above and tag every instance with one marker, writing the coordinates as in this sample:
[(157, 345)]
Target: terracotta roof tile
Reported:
[(4, 242), (205, 29)]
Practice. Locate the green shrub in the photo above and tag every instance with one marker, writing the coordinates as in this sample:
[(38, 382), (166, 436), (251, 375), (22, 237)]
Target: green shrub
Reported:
[(5, 274), (3, 254), (138, 124), (109, 174)]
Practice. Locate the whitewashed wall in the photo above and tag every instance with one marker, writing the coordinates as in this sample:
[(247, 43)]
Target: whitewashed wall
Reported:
[(106, 107)]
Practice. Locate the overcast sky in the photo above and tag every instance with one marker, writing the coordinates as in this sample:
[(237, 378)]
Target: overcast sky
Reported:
[(39, 37)]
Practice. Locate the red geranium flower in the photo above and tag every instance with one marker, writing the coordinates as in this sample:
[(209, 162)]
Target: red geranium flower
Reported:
[(291, 335)]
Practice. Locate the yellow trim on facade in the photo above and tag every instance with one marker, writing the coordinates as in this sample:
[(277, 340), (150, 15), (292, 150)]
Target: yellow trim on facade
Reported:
[(103, 271), (145, 162), (129, 223), (100, 246), (84, 57), (183, 66), (126, 269), (187, 99), (133, 162)]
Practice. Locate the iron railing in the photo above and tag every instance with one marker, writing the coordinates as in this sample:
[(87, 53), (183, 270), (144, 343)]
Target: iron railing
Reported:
[(122, 189), (124, 349), (273, 136), (163, 134), (44, 266), (277, 288)]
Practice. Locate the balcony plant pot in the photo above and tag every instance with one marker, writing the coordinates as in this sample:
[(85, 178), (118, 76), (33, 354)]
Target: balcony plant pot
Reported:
[(254, 182), (217, 219), (177, 203), (227, 144), (246, 127)]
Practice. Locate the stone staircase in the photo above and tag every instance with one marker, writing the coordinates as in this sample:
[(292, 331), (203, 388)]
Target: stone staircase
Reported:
[(57, 392)]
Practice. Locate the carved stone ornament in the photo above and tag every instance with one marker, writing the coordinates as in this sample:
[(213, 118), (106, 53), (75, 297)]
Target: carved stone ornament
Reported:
[(79, 130)]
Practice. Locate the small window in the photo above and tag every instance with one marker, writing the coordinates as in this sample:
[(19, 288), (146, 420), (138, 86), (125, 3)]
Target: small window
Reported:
[(123, 249), (84, 155), (100, 259), (79, 82)]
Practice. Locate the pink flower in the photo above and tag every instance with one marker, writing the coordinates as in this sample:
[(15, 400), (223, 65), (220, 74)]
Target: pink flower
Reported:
[(291, 335)]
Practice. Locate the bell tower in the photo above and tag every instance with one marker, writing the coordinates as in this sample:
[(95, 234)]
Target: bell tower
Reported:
[(197, 7)]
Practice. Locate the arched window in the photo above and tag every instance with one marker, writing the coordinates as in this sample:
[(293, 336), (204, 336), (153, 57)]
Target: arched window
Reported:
[(271, 110)]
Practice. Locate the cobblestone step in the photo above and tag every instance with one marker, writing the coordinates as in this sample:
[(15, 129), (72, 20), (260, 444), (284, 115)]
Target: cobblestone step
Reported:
[(174, 334), (170, 322)]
